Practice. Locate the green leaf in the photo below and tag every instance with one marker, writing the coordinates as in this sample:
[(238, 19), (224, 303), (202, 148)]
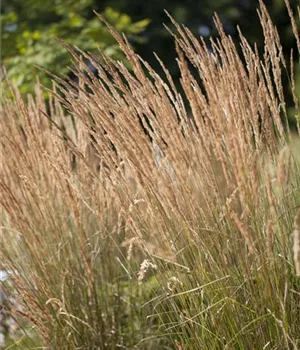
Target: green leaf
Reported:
[(29, 32), (139, 26)]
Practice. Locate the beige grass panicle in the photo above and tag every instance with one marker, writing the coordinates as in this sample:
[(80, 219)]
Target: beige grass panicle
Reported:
[(296, 246)]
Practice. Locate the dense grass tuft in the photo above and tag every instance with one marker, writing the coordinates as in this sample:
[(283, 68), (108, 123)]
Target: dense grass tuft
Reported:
[(138, 218)]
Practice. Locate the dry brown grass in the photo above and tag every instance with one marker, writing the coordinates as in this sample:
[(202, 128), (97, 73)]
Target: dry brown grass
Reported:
[(207, 196)]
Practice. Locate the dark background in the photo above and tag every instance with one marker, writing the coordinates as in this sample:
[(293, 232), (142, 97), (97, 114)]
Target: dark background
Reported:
[(30, 29)]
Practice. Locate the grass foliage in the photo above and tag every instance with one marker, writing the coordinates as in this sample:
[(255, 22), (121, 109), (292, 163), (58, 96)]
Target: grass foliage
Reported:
[(138, 216)]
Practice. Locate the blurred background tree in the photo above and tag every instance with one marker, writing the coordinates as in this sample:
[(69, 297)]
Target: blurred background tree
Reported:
[(30, 27)]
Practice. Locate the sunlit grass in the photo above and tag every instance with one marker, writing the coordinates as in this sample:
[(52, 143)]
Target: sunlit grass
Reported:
[(133, 219)]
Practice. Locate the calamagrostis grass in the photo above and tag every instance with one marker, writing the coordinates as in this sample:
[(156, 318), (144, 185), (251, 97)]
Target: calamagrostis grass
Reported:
[(296, 247), (121, 172)]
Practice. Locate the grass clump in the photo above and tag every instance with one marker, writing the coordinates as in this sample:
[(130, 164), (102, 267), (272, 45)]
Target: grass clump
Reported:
[(135, 217)]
